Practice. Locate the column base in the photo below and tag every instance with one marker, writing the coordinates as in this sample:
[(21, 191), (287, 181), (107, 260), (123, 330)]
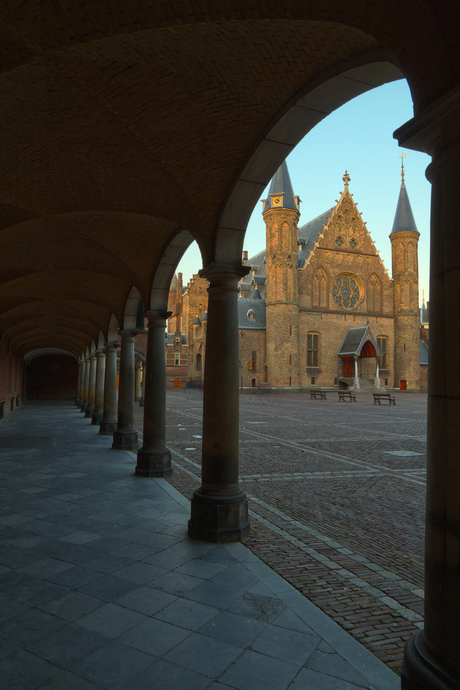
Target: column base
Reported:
[(153, 463), (77, 403), (107, 428), (96, 418), (422, 671), (83, 407), (125, 440), (219, 517), (89, 412)]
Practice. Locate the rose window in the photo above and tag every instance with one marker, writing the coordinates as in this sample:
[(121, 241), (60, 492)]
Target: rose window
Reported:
[(346, 292)]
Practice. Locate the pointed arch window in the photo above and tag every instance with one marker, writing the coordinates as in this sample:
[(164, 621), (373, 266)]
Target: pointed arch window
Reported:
[(320, 288), (374, 294), (313, 345)]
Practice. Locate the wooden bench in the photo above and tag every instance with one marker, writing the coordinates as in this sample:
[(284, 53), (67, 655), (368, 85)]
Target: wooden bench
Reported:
[(318, 394), (378, 397), (346, 395)]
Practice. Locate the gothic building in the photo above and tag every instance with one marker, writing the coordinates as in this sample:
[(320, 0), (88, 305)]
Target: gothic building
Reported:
[(318, 306)]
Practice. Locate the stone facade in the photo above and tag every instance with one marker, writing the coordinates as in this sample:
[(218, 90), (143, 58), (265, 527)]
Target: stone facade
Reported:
[(304, 293)]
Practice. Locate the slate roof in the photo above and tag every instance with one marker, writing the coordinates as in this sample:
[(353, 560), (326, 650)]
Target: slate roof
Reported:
[(245, 307), (355, 339), (281, 184), (170, 338), (404, 218), (197, 320), (309, 233)]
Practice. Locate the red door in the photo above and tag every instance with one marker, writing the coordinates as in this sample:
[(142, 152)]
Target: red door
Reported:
[(347, 367)]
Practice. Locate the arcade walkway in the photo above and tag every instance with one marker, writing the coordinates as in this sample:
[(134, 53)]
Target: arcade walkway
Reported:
[(101, 588)]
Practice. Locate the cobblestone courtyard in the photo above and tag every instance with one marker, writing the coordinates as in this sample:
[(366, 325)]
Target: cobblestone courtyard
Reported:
[(337, 497)]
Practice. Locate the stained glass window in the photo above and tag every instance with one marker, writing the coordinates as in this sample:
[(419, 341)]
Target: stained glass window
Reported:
[(346, 292)]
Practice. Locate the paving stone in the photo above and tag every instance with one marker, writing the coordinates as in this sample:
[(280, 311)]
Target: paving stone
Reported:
[(154, 637), (199, 568), (68, 681), (7, 649), (308, 679), (111, 620), (139, 572), (75, 577), (72, 605), (176, 583), (146, 600), (45, 568), (108, 588), (166, 676), (27, 628), (113, 666), (109, 563), (235, 630), (24, 671), (334, 665), (186, 614), (10, 609), (259, 607), (204, 655), (66, 646), (252, 671), (288, 645), (36, 592)]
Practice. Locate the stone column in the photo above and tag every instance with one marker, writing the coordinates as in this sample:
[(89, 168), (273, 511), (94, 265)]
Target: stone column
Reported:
[(92, 385), (432, 658), (84, 403), (82, 381), (99, 395), (356, 384), (77, 398), (109, 415), (154, 458), (137, 381), (125, 437), (377, 374), (219, 511)]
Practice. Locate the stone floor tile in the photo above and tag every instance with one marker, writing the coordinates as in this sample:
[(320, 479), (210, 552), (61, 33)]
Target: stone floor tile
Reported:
[(146, 600), (204, 655), (36, 592), (10, 609), (308, 679), (24, 671), (259, 607), (199, 568), (176, 583), (159, 541), (68, 645), (80, 537), (45, 568), (187, 614), (154, 637), (68, 681), (288, 645), (219, 554), (288, 619), (336, 666), (75, 577), (233, 629), (111, 620), (13, 557), (113, 666), (214, 594), (235, 576), (139, 572), (108, 588), (252, 671), (7, 649), (29, 627), (108, 563), (72, 606), (166, 676), (138, 552)]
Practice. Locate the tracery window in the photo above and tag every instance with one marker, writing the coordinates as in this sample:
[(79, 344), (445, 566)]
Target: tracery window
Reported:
[(374, 294), (320, 288), (382, 343), (312, 349), (346, 291)]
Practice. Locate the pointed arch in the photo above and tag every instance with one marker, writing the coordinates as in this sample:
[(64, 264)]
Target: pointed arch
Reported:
[(320, 288), (374, 293)]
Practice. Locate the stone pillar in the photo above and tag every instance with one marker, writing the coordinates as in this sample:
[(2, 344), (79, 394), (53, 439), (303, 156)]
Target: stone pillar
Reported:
[(109, 415), (377, 374), (84, 403), (77, 398), (92, 385), (356, 383), (99, 395), (431, 658), (137, 381), (154, 458), (219, 510), (82, 382), (125, 437)]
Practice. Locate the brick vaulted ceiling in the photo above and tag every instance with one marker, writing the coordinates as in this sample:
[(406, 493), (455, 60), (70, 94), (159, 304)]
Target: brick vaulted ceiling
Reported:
[(123, 123)]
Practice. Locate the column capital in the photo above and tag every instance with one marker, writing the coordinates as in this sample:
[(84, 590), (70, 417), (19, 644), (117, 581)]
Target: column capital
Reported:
[(223, 275), (111, 346), (157, 317), (93, 355), (127, 334), (434, 129), (100, 352)]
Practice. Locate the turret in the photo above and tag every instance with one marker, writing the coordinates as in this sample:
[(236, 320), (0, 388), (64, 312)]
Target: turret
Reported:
[(404, 251), (281, 215)]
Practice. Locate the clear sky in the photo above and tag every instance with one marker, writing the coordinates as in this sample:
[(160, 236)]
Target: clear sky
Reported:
[(358, 138)]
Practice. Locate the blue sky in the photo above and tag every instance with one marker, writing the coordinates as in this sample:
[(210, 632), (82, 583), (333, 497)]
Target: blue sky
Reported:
[(358, 138)]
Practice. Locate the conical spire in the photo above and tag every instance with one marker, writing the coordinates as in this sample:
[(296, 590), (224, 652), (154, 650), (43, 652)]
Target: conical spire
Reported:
[(281, 186), (404, 218)]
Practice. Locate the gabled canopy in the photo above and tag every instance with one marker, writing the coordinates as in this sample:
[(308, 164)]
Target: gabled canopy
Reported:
[(355, 340)]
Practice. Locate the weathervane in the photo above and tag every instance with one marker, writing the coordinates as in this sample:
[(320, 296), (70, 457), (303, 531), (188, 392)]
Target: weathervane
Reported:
[(402, 167)]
